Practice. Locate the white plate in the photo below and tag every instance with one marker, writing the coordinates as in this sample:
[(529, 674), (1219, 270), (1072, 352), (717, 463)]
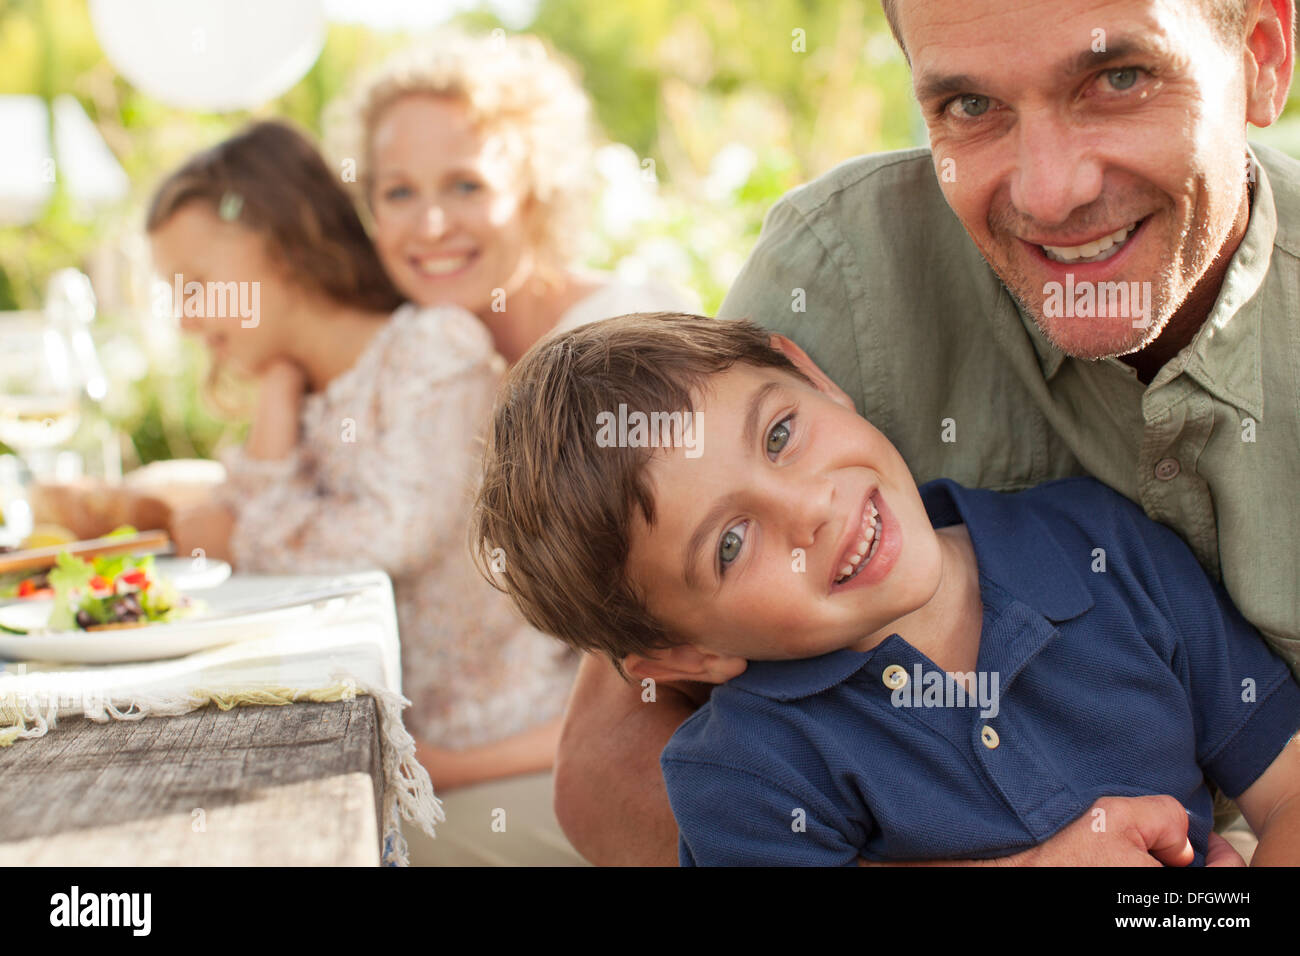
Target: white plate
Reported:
[(191, 574), (154, 641)]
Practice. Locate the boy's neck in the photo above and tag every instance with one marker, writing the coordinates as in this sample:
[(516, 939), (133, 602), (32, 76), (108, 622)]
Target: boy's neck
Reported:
[(947, 627)]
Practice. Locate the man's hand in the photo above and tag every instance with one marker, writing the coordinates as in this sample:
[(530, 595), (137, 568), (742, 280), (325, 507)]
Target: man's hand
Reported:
[(1128, 831)]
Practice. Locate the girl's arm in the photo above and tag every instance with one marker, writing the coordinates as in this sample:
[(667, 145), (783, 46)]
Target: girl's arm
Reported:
[(274, 431), (531, 751), (409, 445), (273, 436)]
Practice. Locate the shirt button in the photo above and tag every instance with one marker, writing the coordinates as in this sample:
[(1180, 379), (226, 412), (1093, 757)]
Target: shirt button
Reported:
[(1167, 468), (894, 677), (990, 737)]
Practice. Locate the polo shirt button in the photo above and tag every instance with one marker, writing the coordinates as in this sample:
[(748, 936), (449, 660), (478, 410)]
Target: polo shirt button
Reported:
[(990, 737), (894, 676), (1167, 468)]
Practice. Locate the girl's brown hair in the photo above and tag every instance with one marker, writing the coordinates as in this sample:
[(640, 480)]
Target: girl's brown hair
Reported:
[(270, 178)]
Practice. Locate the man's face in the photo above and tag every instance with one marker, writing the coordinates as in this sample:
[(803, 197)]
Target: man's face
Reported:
[(753, 538), (1101, 140)]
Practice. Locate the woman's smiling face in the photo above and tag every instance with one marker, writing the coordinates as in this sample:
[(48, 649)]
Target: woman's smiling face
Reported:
[(450, 210), (752, 538)]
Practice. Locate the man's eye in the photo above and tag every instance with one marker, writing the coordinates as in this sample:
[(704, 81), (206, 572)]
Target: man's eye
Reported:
[(729, 546), (778, 436), (1123, 79), (969, 106)]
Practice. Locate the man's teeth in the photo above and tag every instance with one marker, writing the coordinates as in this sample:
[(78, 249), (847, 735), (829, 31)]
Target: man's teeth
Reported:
[(441, 267), (1096, 251), (865, 549)]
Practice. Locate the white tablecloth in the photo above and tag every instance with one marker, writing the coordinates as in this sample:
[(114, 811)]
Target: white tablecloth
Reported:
[(344, 647)]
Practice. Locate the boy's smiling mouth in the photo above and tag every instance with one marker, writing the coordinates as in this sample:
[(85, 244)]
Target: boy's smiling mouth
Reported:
[(879, 528), (864, 540)]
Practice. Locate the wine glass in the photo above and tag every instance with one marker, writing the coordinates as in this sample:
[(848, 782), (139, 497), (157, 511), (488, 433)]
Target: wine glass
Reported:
[(40, 401)]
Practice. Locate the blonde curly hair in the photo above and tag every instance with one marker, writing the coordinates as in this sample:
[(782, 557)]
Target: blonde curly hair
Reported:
[(515, 85)]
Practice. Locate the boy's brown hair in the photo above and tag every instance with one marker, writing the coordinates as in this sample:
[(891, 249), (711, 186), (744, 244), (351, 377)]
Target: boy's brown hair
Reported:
[(558, 504)]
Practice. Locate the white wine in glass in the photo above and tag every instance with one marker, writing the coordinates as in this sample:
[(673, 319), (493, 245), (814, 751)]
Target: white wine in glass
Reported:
[(28, 423), (40, 397)]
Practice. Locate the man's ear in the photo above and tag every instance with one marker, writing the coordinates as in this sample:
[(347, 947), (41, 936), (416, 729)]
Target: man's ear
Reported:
[(806, 365), (1270, 59), (684, 662)]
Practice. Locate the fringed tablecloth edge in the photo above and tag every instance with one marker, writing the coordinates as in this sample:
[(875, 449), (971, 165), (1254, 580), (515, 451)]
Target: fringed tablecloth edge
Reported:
[(408, 791)]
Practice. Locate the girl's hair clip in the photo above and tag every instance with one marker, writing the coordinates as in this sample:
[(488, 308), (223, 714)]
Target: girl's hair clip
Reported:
[(231, 204)]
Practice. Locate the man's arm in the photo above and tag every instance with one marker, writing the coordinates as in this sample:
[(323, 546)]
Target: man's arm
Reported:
[(610, 797)]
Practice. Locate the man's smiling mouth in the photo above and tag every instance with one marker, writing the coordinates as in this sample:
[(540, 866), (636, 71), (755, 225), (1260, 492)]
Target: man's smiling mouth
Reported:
[(1098, 250)]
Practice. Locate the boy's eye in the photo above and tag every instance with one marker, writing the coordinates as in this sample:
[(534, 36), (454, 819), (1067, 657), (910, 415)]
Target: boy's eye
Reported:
[(729, 546), (778, 436), (397, 192), (467, 186)]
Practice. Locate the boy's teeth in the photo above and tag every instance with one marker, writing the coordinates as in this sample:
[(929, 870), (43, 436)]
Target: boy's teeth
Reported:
[(866, 545), (1096, 251)]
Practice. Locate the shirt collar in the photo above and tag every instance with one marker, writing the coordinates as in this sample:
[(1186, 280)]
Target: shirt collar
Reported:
[(1224, 357), (1014, 548), (1015, 551)]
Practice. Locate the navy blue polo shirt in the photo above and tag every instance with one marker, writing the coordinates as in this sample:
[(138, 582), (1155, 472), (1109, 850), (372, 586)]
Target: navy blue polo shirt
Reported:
[(1111, 666)]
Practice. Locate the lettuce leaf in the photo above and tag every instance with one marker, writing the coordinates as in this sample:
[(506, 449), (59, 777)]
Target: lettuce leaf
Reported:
[(69, 577)]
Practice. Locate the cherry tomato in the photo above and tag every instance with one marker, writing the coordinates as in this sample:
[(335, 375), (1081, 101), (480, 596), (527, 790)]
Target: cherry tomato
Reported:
[(28, 589)]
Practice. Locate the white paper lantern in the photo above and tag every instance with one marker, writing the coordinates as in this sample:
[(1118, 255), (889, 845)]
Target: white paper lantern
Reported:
[(210, 54)]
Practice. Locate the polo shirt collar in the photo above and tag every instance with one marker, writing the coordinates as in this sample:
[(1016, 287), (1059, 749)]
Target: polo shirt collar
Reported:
[(1224, 357), (1014, 548), (1030, 568)]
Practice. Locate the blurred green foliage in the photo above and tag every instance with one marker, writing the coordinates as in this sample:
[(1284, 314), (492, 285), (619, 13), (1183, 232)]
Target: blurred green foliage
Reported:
[(804, 84)]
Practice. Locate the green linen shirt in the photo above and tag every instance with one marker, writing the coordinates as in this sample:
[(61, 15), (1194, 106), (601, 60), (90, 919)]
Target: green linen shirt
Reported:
[(868, 269)]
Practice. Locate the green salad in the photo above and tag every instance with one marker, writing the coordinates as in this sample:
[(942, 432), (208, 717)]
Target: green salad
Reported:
[(121, 589), (102, 592)]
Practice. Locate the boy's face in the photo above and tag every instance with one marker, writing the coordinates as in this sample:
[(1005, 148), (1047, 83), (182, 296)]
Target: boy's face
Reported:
[(747, 555)]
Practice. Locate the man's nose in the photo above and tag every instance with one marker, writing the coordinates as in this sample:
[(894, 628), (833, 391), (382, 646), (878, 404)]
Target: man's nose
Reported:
[(1055, 172)]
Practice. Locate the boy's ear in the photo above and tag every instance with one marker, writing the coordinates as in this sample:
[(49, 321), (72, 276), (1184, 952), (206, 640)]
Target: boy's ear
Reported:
[(806, 365), (684, 662)]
